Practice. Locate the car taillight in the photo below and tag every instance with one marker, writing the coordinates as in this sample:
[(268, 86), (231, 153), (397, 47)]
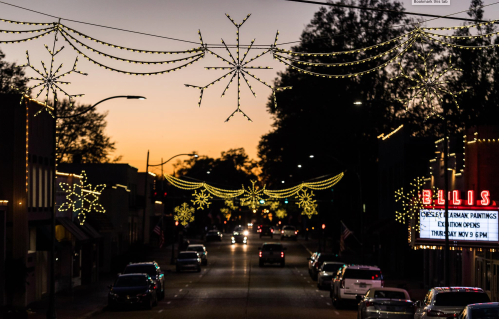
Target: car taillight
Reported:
[(317, 265), (154, 286), (260, 254), (282, 254), (436, 313), (369, 304), (342, 283), (271, 230), (296, 233)]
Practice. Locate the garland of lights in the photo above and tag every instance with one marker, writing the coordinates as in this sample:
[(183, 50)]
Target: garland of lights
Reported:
[(184, 214), (238, 67), (82, 198), (253, 196), (412, 202)]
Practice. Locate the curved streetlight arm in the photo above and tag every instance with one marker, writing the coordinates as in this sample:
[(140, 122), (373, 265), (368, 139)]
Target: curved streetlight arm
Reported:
[(195, 155), (130, 97)]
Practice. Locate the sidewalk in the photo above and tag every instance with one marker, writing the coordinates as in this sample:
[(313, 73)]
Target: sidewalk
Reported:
[(89, 300)]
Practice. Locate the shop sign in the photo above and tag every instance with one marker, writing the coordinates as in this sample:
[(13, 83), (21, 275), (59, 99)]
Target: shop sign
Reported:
[(455, 198), (464, 225)]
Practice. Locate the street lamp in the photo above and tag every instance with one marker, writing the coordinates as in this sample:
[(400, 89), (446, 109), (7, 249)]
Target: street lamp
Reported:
[(51, 314), (145, 188)]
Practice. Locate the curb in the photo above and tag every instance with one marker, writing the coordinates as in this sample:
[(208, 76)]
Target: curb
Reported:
[(95, 312)]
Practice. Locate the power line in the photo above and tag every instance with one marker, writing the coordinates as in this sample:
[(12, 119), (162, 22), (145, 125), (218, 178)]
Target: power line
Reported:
[(385, 10)]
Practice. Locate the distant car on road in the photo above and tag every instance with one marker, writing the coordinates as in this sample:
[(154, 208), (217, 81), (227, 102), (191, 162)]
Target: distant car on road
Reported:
[(353, 281), (386, 303), (271, 253), (189, 260), (201, 250), (133, 290), (448, 301), (213, 235), (289, 232), (480, 310), (152, 269), (327, 272), (318, 260), (239, 235), (265, 230)]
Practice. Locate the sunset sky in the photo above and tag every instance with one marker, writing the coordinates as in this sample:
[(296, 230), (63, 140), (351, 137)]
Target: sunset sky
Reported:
[(170, 122)]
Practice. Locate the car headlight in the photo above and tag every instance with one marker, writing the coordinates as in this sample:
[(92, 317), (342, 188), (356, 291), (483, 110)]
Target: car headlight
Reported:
[(246, 233), (232, 237)]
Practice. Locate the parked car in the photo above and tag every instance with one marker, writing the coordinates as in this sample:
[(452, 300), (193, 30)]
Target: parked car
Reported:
[(448, 301), (201, 250), (486, 310), (320, 258), (189, 260), (289, 232), (353, 281), (133, 290), (239, 235), (327, 272), (275, 230), (271, 253), (213, 235), (311, 261), (152, 270), (265, 230), (387, 303)]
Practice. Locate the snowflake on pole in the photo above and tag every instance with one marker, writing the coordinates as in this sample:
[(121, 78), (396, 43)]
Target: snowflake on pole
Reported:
[(239, 68), (309, 210), (50, 80), (252, 196), (184, 214)]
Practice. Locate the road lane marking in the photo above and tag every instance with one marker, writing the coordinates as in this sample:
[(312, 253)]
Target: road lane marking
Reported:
[(181, 290), (160, 311), (175, 296), (169, 302), (336, 312), (187, 285), (327, 303), (322, 296), (200, 276), (308, 282), (190, 282), (315, 290)]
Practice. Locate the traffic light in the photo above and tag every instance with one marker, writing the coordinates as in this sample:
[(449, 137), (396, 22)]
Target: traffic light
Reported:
[(262, 201), (225, 222), (286, 201), (176, 223), (279, 222), (323, 226)]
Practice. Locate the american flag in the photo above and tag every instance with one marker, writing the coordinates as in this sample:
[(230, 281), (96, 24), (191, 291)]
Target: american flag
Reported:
[(345, 232), (159, 231)]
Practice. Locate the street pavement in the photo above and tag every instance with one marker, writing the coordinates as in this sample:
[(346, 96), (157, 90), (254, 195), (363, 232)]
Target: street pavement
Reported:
[(233, 285)]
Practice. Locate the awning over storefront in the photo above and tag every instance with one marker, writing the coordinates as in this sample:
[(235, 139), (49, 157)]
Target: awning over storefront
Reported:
[(89, 230), (73, 229)]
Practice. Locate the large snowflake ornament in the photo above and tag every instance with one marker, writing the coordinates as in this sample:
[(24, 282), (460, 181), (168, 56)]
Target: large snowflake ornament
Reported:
[(239, 68), (252, 196), (201, 199), (281, 213), (184, 214), (82, 198), (49, 80), (412, 202), (429, 86), (310, 210)]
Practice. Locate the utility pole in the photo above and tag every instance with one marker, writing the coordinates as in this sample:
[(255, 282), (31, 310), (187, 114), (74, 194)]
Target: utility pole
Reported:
[(446, 197), (145, 201)]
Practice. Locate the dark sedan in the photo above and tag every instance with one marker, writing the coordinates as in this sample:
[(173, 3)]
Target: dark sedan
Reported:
[(133, 290), (386, 303), (213, 235)]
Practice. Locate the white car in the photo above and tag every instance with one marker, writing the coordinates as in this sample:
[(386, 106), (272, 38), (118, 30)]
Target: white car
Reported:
[(201, 250), (289, 232), (353, 281), (327, 272), (480, 310), (448, 301)]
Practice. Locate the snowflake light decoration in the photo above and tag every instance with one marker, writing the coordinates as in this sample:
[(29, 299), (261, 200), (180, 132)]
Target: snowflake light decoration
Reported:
[(230, 204), (429, 86), (239, 68), (83, 194), (412, 202), (310, 210), (305, 199), (50, 80), (274, 205), (252, 196), (184, 214), (281, 213), (201, 199)]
